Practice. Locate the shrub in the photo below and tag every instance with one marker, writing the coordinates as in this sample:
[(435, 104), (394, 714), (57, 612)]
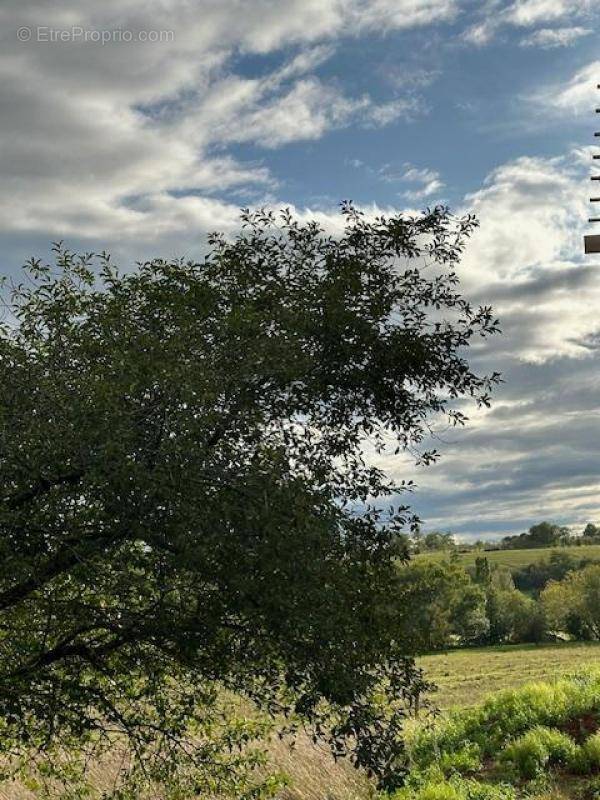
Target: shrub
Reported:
[(464, 760), (440, 791), (539, 748), (588, 758), (457, 789), (592, 750), (590, 790), (508, 715)]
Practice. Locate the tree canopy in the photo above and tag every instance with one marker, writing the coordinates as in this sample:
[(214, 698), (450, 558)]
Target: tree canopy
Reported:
[(574, 602), (543, 534), (187, 486)]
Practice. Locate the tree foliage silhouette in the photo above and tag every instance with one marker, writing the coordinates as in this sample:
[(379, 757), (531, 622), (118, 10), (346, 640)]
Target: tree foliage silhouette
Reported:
[(186, 494)]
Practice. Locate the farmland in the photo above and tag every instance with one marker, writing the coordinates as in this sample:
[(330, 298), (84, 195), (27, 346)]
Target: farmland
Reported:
[(465, 677), (540, 740), (512, 559)]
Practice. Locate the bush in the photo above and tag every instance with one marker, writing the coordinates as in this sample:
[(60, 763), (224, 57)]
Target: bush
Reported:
[(457, 789), (591, 747), (537, 749), (520, 735), (573, 602), (464, 760), (504, 717), (590, 790), (587, 759)]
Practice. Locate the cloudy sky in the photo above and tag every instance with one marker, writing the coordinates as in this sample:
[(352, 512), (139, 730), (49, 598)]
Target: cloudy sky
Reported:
[(189, 109)]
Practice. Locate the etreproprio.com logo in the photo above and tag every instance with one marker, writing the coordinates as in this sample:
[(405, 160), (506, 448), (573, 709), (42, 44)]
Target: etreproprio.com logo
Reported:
[(76, 33)]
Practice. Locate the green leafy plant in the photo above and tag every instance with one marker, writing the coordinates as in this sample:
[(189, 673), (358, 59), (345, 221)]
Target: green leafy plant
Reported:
[(456, 789), (587, 758), (464, 760), (538, 749), (507, 715)]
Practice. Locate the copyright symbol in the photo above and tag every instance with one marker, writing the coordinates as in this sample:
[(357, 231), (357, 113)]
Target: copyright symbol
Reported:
[(24, 34)]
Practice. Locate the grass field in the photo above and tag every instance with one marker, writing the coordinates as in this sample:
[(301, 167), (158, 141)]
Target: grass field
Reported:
[(514, 559), (539, 741), (465, 677)]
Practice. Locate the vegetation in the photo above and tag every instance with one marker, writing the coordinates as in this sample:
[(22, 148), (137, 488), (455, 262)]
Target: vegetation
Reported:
[(573, 604), (483, 604), (444, 605), (449, 605), (191, 560), (517, 743), (535, 576), (185, 498), (541, 535), (430, 542), (512, 559), (544, 534), (465, 677)]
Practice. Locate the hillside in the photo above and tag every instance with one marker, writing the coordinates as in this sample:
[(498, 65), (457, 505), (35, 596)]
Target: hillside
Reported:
[(464, 678), (513, 559)]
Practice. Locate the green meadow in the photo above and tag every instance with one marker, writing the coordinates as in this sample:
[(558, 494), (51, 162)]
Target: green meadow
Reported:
[(512, 559)]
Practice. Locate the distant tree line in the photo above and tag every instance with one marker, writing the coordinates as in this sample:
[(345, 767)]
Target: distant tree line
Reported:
[(453, 606), (543, 534)]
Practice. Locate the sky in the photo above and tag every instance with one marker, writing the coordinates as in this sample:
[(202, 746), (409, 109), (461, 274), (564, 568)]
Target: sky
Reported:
[(137, 126)]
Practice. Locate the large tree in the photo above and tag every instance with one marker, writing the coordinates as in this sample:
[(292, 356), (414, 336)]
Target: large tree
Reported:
[(187, 487), (573, 604)]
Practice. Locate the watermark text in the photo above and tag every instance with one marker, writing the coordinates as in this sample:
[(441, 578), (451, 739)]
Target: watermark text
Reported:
[(77, 33)]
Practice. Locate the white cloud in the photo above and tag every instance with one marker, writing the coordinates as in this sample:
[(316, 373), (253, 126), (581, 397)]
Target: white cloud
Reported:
[(381, 114), (578, 95), (406, 77), (306, 61), (127, 145), (129, 139), (532, 212), (532, 456), (387, 14), (531, 12), (238, 110), (529, 251), (495, 15), (425, 182), (480, 33), (547, 38), (428, 183)]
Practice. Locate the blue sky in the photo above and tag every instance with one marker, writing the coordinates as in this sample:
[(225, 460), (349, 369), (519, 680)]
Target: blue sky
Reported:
[(472, 112), (143, 143)]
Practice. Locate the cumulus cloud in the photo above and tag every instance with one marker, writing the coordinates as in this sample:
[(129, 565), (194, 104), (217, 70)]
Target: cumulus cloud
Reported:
[(532, 211), (388, 14), (427, 183), (480, 33), (530, 12), (532, 457), (238, 110), (105, 138), (534, 454), (131, 145), (578, 95)]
